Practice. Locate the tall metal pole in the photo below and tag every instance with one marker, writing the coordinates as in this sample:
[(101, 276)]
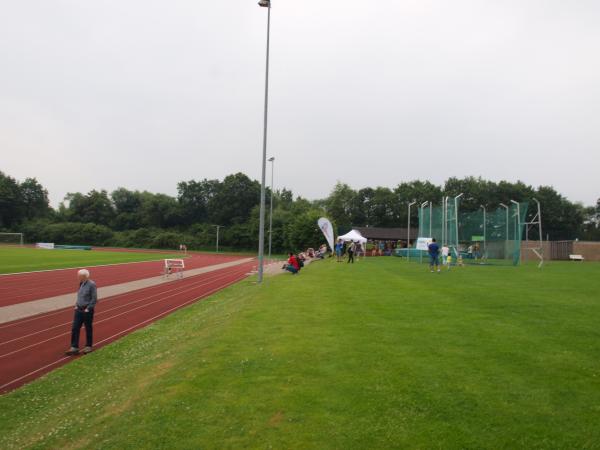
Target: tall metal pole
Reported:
[(218, 227), (506, 240), (456, 218), (430, 218), (484, 236), (444, 237), (408, 232), (446, 219), (540, 225), (421, 220), (518, 226), (272, 161), (507, 208), (261, 231)]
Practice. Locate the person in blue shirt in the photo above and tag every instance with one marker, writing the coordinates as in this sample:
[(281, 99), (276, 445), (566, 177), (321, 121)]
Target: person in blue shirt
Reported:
[(339, 250), (434, 255)]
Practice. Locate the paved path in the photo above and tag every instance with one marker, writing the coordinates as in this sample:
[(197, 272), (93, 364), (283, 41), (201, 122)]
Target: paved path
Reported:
[(31, 308)]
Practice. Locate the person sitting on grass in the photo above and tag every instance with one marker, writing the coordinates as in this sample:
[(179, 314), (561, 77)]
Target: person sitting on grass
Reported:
[(434, 255), (292, 264)]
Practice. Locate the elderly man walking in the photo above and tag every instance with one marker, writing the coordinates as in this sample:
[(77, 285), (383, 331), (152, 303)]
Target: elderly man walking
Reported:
[(84, 312)]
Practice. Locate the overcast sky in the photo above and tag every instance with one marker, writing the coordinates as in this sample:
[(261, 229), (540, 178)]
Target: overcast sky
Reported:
[(143, 94)]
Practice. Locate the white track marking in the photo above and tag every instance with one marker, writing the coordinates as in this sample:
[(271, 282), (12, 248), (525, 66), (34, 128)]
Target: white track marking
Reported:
[(16, 380), (194, 286)]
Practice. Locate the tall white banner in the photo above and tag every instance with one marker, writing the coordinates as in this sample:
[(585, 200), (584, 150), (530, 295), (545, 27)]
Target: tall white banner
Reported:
[(327, 229)]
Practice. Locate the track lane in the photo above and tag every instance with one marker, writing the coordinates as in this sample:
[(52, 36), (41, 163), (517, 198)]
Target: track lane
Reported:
[(24, 287), (29, 349)]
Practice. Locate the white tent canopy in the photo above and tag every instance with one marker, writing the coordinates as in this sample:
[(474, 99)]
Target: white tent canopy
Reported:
[(354, 236)]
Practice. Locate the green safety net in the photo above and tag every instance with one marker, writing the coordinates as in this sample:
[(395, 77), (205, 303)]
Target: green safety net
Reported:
[(476, 237)]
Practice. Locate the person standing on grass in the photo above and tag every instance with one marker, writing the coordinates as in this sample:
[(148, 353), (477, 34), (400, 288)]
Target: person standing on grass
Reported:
[(351, 250), (339, 249), (434, 255), (87, 297), (445, 253)]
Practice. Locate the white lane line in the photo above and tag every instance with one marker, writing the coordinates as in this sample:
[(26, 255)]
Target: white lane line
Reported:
[(194, 287), (125, 331), (119, 296)]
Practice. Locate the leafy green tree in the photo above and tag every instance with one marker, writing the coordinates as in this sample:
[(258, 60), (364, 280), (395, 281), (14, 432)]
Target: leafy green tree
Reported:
[(561, 219), (127, 209), (12, 208), (35, 199), (416, 190), (234, 200), (159, 210), (93, 207), (194, 198), (340, 205), (303, 232)]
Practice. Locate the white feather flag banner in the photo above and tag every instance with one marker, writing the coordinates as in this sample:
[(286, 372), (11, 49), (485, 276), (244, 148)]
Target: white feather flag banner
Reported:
[(327, 229)]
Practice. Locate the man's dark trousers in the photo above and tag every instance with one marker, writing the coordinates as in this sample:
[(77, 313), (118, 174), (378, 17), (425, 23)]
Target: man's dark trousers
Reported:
[(82, 318)]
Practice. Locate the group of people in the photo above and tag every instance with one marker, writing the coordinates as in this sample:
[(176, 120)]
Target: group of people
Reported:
[(435, 251), (353, 249), (385, 248), (296, 262)]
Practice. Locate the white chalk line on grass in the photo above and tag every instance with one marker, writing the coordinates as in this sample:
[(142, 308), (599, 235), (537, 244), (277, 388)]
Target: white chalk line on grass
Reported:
[(16, 380)]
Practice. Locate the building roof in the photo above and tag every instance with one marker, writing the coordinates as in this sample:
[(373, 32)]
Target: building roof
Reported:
[(386, 234)]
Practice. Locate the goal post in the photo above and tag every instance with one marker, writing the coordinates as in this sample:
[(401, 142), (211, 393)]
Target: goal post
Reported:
[(11, 239)]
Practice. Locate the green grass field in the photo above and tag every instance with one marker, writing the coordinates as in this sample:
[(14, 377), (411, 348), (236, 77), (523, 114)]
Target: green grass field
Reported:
[(26, 259), (381, 354)]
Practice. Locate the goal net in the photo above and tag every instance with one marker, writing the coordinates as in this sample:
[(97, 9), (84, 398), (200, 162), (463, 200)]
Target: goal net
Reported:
[(11, 238)]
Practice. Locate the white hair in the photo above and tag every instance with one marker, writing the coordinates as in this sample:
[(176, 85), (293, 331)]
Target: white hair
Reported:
[(84, 272)]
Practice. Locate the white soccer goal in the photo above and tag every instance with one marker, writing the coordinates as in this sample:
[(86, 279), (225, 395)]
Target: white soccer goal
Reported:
[(11, 238)]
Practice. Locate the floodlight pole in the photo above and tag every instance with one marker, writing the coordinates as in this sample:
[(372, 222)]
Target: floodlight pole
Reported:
[(540, 224), (218, 227), (507, 208), (484, 236), (443, 221), (506, 239), (518, 225), (430, 217), (420, 221), (456, 218), (408, 232), (261, 231), (272, 161)]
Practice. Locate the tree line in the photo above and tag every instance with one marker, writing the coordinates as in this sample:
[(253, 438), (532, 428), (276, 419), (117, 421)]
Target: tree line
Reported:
[(132, 218), (385, 207)]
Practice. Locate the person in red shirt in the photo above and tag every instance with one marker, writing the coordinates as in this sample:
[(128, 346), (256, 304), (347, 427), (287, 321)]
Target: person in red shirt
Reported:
[(292, 264)]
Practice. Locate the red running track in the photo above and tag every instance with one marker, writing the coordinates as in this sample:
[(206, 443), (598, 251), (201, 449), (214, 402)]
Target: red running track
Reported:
[(25, 287), (33, 346)]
